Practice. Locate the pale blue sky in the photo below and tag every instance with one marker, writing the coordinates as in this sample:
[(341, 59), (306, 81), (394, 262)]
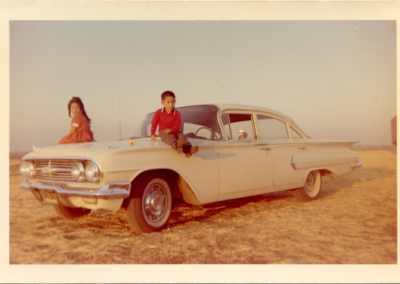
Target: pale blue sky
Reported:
[(336, 79)]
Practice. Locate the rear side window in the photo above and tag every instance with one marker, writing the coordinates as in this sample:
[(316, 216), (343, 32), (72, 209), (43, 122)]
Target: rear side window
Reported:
[(233, 122), (271, 128)]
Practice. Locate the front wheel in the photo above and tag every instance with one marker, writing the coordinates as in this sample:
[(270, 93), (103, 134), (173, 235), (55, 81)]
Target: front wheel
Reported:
[(311, 189), (150, 205), (68, 212)]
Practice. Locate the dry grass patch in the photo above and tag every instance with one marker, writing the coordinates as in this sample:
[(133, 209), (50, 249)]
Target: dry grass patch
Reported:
[(354, 221)]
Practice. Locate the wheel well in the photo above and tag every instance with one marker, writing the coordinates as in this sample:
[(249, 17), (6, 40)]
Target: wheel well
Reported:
[(171, 176), (328, 173)]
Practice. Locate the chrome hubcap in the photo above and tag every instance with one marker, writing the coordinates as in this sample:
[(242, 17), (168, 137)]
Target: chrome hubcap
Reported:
[(154, 202), (312, 184)]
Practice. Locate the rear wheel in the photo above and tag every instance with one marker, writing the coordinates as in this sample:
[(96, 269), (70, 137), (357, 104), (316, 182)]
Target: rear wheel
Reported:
[(68, 212), (150, 205), (311, 189)]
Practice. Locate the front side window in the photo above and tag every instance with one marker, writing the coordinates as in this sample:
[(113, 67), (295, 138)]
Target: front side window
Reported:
[(271, 128), (234, 122)]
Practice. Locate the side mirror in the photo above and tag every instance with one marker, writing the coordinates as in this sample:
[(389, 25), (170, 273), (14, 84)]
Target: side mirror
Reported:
[(242, 135)]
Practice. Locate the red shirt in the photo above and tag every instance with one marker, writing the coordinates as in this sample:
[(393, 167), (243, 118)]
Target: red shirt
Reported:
[(82, 134), (166, 121)]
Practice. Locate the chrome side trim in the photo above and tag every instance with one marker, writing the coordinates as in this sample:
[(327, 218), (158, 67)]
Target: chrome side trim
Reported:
[(103, 192), (292, 162), (357, 165)]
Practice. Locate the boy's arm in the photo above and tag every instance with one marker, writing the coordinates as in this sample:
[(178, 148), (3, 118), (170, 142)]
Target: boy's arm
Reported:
[(177, 123), (154, 123)]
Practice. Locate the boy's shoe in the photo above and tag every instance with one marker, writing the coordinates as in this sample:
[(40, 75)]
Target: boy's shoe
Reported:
[(179, 144), (192, 151)]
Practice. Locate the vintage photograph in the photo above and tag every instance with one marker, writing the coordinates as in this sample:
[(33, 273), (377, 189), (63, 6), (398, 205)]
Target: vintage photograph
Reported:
[(202, 142)]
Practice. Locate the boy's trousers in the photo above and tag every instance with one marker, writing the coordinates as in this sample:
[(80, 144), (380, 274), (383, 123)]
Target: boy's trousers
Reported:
[(172, 138)]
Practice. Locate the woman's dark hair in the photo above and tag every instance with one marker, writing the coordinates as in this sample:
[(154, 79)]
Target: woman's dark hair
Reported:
[(78, 101), (167, 94)]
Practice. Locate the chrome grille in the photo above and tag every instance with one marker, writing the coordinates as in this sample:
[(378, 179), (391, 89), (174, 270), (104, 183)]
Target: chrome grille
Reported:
[(56, 170)]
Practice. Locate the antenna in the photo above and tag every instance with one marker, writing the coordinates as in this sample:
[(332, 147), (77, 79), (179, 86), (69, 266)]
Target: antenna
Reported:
[(119, 99)]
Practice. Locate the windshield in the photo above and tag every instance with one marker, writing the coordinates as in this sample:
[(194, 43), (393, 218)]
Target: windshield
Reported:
[(199, 122)]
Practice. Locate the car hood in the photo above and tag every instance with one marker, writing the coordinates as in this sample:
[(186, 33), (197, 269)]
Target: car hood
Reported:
[(92, 149)]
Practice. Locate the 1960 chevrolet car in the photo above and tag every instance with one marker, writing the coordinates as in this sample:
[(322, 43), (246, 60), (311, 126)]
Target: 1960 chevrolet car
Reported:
[(244, 151)]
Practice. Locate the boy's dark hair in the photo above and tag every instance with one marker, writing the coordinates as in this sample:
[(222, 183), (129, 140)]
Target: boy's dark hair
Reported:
[(167, 94)]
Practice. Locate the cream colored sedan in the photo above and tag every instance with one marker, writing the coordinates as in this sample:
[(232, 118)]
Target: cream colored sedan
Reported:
[(244, 151)]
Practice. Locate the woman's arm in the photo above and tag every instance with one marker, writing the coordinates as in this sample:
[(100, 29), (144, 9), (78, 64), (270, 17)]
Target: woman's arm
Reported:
[(73, 129), (76, 121)]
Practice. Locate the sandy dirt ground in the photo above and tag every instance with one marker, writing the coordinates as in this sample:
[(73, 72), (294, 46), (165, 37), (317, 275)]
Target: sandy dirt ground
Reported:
[(353, 222)]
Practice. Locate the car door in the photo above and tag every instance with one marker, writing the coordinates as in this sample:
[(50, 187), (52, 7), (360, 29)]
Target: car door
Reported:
[(284, 143), (245, 164)]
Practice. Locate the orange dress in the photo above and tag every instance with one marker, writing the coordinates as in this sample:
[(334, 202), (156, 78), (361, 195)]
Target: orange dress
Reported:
[(82, 134)]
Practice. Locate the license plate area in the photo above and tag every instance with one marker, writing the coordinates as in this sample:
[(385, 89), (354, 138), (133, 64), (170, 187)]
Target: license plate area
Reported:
[(50, 197)]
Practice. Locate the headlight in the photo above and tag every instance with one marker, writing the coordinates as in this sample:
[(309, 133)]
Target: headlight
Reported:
[(77, 172), (27, 169), (23, 169), (92, 173)]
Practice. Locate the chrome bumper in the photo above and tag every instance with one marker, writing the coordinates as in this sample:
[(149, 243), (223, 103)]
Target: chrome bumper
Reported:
[(107, 191)]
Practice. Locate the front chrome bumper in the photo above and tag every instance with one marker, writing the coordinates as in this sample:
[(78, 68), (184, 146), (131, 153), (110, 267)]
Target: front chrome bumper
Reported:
[(107, 191), (107, 197)]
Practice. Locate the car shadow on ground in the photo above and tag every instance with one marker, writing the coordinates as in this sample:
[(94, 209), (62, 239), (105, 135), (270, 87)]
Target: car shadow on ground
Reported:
[(184, 213)]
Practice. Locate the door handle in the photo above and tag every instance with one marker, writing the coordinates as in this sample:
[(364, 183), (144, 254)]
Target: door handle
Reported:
[(302, 148)]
